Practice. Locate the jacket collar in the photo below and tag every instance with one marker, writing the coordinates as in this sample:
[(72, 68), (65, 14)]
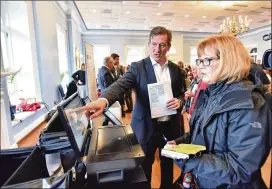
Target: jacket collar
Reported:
[(232, 96), (151, 72)]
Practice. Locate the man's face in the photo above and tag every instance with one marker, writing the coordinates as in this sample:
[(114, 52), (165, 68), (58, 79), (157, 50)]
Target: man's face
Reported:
[(110, 63), (259, 62), (158, 47), (83, 67), (116, 61)]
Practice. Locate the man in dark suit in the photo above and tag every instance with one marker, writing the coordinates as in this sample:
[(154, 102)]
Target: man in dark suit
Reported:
[(153, 69), (118, 72), (105, 76), (117, 69)]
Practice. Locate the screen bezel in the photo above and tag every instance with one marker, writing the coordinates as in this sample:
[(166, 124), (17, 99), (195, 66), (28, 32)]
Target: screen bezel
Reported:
[(79, 152)]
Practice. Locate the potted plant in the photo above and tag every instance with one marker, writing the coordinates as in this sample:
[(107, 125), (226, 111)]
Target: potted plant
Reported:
[(10, 76)]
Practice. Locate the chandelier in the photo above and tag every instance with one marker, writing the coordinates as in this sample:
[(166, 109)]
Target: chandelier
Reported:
[(235, 26)]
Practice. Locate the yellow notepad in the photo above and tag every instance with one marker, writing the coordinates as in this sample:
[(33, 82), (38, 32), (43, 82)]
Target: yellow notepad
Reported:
[(182, 151)]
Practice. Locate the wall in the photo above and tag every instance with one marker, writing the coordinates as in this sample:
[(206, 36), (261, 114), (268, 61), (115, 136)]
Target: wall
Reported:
[(256, 38), (45, 19), (46, 15), (117, 42)]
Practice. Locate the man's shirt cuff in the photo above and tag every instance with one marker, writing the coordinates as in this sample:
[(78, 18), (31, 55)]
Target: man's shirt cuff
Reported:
[(107, 107)]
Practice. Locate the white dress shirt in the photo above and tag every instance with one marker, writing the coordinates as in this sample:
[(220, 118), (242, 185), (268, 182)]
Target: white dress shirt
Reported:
[(162, 75)]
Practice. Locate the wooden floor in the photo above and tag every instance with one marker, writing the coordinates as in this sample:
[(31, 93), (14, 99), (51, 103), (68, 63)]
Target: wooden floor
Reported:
[(32, 139)]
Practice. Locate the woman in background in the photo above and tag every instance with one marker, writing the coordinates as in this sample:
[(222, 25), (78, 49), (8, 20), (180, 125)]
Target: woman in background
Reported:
[(231, 119), (190, 93)]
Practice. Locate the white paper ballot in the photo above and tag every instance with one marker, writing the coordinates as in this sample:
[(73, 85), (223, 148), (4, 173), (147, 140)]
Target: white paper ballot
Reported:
[(159, 94)]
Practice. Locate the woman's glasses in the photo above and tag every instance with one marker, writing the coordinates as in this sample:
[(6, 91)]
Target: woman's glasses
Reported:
[(205, 61)]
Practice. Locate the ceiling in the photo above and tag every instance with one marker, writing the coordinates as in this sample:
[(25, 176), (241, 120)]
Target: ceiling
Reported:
[(191, 16)]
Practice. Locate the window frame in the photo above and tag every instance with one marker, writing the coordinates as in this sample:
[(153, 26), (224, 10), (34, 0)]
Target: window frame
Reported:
[(127, 47)]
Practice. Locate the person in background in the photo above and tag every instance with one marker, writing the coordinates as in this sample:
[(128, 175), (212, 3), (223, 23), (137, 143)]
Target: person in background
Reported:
[(259, 62), (79, 76), (231, 119), (128, 95), (183, 72), (190, 93), (257, 75), (118, 71), (189, 72), (105, 76), (106, 79), (268, 75), (182, 68), (71, 89), (149, 132)]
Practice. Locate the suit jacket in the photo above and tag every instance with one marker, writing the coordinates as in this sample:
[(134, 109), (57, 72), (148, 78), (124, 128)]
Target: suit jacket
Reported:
[(119, 72), (105, 78), (139, 75), (71, 89)]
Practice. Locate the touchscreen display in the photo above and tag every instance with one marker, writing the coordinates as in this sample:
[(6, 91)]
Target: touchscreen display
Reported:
[(112, 118), (77, 121)]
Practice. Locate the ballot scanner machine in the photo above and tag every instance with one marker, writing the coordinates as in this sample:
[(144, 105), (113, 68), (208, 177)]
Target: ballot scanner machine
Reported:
[(110, 152)]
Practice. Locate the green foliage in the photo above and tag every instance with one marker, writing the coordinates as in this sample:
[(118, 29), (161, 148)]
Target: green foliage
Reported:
[(62, 75), (11, 78)]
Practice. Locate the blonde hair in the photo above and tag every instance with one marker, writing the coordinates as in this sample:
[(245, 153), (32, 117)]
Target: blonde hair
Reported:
[(234, 59)]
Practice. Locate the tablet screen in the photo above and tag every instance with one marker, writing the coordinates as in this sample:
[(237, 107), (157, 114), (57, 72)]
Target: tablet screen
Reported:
[(77, 121)]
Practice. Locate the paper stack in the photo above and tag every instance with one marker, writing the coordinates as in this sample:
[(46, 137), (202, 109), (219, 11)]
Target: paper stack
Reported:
[(182, 151)]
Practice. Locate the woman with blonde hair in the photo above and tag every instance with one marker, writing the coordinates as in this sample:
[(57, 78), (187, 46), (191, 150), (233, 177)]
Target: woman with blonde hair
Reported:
[(230, 118)]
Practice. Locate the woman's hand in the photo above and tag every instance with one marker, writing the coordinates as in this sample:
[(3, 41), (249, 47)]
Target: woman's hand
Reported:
[(171, 144)]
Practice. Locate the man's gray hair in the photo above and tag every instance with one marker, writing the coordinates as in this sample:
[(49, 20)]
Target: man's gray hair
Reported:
[(106, 60)]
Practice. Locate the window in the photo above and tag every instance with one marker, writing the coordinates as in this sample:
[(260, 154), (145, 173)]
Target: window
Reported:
[(16, 47), (63, 60), (253, 51), (100, 52), (134, 53)]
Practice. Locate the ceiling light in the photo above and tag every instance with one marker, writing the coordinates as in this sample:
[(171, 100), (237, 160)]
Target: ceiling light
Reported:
[(94, 10), (127, 12), (200, 29), (97, 26), (124, 2), (222, 4), (181, 28), (160, 3), (203, 16), (235, 25), (158, 14), (186, 15)]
